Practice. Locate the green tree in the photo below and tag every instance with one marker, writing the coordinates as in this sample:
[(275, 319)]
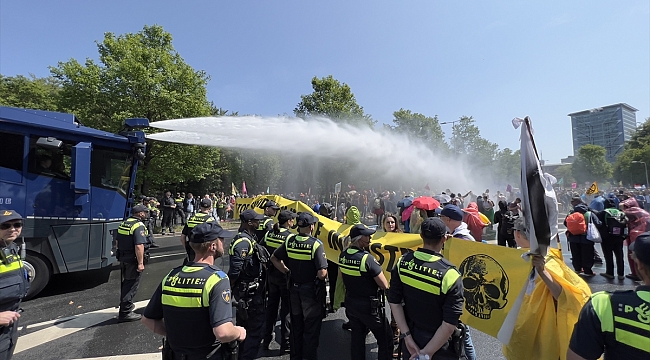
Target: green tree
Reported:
[(29, 92), (334, 100), (632, 173), (637, 149), (565, 172), (641, 137), (466, 140), (507, 166), (417, 126), (590, 164), (141, 75)]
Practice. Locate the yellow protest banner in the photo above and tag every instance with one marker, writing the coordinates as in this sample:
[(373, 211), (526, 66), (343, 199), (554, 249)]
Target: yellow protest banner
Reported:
[(593, 189), (385, 247), (493, 275)]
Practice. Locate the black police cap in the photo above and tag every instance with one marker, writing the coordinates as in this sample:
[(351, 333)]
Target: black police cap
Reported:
[(208, 231), (250, 214), (305, 219), (272, 204), (8, 215), (361, 229), (139, 208), (286, 215), (433, 228)]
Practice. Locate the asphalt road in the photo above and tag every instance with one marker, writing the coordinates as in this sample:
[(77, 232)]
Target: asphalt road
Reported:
[(75, 316)]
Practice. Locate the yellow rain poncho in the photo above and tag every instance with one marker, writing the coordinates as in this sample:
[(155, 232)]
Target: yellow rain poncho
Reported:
[(543, 328)]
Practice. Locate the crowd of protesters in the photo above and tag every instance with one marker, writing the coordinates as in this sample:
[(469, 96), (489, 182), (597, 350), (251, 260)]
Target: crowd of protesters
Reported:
[(486, 216)]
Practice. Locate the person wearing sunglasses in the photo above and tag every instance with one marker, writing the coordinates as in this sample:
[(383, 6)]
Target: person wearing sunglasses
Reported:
[(14, 281)]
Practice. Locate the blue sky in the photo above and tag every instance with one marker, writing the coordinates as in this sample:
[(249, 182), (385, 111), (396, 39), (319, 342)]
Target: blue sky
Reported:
[(492, 60)]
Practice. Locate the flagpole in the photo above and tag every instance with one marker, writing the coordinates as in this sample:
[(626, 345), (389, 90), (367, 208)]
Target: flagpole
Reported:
[(336, 207)]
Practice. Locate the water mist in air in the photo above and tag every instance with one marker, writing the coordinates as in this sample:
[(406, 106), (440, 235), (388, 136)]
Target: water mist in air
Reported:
[(401, 161)]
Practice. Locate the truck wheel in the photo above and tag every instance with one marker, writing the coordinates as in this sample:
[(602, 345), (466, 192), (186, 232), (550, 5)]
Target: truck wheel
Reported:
[(39, 274)]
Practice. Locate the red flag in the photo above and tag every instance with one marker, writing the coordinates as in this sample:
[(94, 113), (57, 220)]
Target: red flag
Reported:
[(243, 187), (509, 188), (426, 187)]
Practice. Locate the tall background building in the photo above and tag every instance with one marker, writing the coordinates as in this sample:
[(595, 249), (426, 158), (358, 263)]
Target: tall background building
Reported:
[(608, 126)]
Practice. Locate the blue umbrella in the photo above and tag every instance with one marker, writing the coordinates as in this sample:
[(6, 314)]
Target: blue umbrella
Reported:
[(406, 202)]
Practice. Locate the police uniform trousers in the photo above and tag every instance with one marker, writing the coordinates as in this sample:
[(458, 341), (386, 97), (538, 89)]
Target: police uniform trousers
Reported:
[(358, 311), (254, 325), (306, 319), (216, 356), (332, 277), (421, 338), (8, 339), (278, 296), (130, 282)]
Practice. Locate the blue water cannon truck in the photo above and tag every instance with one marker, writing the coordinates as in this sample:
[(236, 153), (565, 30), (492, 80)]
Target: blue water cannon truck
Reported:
[(73, 185)]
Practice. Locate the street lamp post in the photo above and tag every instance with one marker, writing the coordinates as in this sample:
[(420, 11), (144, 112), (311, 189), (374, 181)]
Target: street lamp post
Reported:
[(449, 122), (646, 170)]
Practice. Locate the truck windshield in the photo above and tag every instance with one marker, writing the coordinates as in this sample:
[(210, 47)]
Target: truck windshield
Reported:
[(111, 169)]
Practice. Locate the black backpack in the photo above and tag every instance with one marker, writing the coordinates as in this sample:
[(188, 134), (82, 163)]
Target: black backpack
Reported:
[(616, 222)]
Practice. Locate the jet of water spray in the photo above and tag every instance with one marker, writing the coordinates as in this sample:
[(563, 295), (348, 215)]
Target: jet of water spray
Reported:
[(401, 160)]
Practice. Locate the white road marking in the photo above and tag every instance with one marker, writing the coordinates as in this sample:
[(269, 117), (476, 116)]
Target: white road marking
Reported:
[(166, 255), (63, 328), (150, 356)]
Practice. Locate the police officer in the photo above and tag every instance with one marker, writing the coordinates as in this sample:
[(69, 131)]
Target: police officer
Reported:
[(247, 279), (618, 323), (221, 207), (13, 281), (276, 284), (431, 290), (150, 220), (304, 257), (364, 301), (132, 249), (266, 224), (192, 306), (153, 211), (199, 218)]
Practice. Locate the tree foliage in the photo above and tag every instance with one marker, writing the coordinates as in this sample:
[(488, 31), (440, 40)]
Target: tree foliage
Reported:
[(419, 127), (591, 165), (29, 92), (466, 140), (565, 172), (334, 100), (141, 75), (507, 166), (637, 149)]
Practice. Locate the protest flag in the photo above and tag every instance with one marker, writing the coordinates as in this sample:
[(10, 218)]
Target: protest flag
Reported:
[(243, 187), (233, 189), (593, 189), (538, 197)]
